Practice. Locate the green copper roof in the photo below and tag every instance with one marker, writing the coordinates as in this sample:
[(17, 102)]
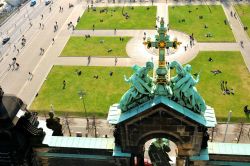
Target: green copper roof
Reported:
[(115, 116), (218, 148), (118, 153), (202, 156), (228, 148), (81, 142), (227, 163), (72, 156)]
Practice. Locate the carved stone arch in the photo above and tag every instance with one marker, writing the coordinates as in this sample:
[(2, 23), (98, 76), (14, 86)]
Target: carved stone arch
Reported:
[(160, 134)]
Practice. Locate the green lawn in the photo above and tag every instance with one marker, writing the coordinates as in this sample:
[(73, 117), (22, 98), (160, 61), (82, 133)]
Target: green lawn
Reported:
[(234, 71), (187, 19), (107, 90), (244, 13), (78, 46), (140, 17), (101, 92)]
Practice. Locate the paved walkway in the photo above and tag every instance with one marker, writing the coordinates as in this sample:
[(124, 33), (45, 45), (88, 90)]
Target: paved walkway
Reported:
[(16, 82)]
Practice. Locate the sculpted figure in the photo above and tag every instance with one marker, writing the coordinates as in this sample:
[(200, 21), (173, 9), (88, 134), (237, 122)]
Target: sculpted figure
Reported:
[(141, 85), (54, 124), (183, 86), (158, 152)]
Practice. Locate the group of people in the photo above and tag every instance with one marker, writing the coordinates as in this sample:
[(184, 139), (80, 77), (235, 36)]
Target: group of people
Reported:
[(225, 89), (14, 65), (191, 42), (42, 51)]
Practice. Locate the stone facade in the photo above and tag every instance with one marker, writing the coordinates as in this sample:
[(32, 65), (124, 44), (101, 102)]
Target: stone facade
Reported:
[(160, 121)]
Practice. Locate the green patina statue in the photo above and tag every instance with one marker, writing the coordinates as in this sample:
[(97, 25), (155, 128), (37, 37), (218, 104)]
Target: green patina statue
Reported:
[(162, 42), (158, 152), (183, 88), (179, 88), (141, 86)]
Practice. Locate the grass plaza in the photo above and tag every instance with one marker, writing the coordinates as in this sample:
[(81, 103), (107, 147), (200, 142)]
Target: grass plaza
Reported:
[(139, 17), (138, 83), (208, 23), (107, 46), (244, 14), (105, 90), (189, 19)]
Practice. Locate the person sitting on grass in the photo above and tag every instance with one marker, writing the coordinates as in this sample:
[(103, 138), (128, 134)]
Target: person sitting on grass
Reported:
[(210, 59), (216, 72), (246, 110)]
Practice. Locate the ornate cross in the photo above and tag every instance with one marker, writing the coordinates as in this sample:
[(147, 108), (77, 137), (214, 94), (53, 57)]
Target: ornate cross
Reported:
[(162, 42)]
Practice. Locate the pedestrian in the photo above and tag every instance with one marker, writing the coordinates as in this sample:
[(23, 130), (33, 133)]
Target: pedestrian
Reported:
[(41, 51), (40, 25), (89, 58), (64, 84), (30, 24), (185, 48), (235, 15), (116, 60), (41, 16), (14, 59), (14, 47), (93, 27), (9, 67), (30, 76), (18, 51), (241, 44), (231, 13), (17, 66), (115, 31), (54, 28), (50, 9), (53, 41)]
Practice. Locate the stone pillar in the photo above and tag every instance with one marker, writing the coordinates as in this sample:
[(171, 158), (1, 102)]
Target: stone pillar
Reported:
[(140, 159), (132, 160), (180, 161)]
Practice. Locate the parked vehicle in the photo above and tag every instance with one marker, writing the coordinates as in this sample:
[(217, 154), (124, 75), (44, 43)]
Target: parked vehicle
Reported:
[(47, 2), (5, 40), (32, 3)]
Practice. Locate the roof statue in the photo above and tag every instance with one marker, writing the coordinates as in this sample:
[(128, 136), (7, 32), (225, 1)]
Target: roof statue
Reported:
[(183, 88), (1, 93), (158, 152), (180, 88), (141, 86)]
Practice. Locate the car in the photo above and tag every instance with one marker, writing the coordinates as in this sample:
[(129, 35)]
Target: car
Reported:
[(47, 2), (32, 3), (5, 40)]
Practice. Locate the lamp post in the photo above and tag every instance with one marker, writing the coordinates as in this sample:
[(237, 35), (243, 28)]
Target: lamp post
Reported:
[(82, 94), (228, 120)]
